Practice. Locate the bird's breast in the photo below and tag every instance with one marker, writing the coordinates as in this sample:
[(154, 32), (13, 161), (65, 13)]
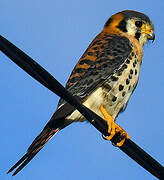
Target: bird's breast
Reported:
[(116, 90)]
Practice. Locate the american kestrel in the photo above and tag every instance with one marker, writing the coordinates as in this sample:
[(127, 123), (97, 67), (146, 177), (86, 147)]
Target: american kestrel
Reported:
[(103, 79)]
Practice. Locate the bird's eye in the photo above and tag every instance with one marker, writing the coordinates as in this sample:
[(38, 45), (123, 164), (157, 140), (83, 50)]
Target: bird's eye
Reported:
[(138, 23)]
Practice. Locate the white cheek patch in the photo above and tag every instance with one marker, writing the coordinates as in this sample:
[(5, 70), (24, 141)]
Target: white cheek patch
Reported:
[(131, 28), (143, 39)]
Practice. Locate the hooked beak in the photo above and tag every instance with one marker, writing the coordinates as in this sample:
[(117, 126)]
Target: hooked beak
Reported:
[(151, 37)]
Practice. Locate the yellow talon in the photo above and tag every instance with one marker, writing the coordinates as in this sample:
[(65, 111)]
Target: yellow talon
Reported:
[(113, 128)]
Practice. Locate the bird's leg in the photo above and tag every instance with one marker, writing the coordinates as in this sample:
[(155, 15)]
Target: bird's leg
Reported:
[(113, 128)]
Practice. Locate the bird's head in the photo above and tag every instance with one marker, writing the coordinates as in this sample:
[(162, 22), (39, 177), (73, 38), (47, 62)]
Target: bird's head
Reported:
[(131, 23)]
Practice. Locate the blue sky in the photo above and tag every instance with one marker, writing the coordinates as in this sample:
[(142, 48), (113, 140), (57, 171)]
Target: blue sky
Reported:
[(56, 33)]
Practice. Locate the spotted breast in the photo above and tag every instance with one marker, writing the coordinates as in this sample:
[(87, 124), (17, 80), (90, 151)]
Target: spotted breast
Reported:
[(119, 87), (113, 69)]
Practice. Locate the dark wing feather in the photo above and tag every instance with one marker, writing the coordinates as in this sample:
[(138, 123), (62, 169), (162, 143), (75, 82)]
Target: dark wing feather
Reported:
[(105, 55)]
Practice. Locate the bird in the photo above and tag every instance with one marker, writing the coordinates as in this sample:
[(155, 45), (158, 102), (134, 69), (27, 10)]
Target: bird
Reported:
[(103, 79)]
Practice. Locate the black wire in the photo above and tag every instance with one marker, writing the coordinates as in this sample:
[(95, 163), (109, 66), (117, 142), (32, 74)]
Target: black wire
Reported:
[(46, 79), (143, 158)]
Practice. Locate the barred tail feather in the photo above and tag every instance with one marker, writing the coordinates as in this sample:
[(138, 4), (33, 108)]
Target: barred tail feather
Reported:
[(57, 122), (34, 148)]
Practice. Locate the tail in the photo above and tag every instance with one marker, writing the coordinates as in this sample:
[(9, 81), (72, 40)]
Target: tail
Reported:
[(56, 123), (34, 148)]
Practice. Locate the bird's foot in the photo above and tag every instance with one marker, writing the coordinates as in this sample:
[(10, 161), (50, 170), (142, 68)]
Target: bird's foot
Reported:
[(117, 134)]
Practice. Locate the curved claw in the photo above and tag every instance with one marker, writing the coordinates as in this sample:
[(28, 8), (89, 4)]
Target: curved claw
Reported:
[(117, 134)]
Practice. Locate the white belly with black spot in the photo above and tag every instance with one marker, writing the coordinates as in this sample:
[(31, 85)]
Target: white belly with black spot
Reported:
[(114, 94)]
